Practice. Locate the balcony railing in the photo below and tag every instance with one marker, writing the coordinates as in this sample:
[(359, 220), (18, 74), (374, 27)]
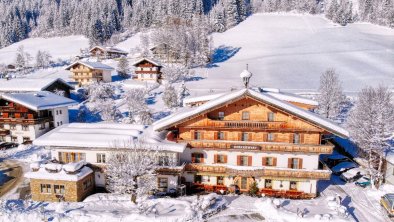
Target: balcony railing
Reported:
[(9, 109), (246, 124), (261, 172), (25, 121), (86, 77), (260, 146), (4, 132)]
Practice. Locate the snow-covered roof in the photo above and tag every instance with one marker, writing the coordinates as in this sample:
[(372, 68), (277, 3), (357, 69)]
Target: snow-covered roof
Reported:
[(43, 174), (289, 97), (154, 62), (110, 49), (189, 113), (42, 100), (104, 136), (92, 65), (29, 85)]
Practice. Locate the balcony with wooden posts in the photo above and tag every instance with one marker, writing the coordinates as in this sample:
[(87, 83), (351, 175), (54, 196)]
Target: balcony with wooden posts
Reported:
[(260, 172), (26, 121), (259, 146), (4, 132)]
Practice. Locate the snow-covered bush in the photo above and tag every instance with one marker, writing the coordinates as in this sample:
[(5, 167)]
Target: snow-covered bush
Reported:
[(123, 67), (170, 97)]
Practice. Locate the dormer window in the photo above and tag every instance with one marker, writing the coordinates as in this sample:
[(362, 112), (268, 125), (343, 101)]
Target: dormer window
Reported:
[(221, 115), (271, 117), (245, 115)]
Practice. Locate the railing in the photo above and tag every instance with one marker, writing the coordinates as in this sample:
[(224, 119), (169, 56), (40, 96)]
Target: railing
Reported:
[(263, 172), (25, 121), (4, 132), (246, 124), (9, 109), (260, 146), (85, 76)]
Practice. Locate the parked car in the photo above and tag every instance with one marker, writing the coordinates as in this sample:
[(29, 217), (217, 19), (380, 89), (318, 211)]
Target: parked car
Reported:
[(353, 174), (343, 167), (387, 201), (335, 159), (8, 145), (363, 182)]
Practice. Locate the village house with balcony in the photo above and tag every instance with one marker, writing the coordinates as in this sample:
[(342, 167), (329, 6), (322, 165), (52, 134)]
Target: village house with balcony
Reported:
[(246, 136), (86, 72), (107, 52), (147, 70), (75, 142), (26, 116), (16, 85)]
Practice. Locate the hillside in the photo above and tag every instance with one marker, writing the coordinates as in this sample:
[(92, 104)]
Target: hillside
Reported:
[(291, 51)]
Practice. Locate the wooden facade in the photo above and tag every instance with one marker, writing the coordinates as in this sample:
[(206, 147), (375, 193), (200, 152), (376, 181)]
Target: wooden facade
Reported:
[(146, 69), (84, 75), (107, 52)]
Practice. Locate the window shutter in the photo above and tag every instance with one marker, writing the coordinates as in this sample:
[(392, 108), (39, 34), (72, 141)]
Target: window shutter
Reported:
[(300, 163), (291, 138), (192, 135), (302, 138), (250, 137), (265, 137), (215, 135), (238, 160), (240, 136), (202, 158), (289, 162), (5, 115), (264, 161), (249, 160), (193, 158), (225, 158), (215, 158), (274, 161)]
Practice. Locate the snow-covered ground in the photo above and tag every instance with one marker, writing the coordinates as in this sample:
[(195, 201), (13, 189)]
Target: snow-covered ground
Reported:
[(59, 47), (290, 52)]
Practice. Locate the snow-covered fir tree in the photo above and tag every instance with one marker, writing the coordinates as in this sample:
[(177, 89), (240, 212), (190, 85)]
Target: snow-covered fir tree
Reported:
[(123, 67), (371, 127), (170, 97), (330, 95), (130, 169)]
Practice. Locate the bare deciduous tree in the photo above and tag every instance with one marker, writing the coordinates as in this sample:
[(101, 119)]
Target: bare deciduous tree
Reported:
[(331, 95)]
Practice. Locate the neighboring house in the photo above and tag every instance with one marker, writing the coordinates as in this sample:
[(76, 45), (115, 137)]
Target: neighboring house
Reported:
[(165, 52), (147, 69), (56, 182), (26, 116), (248, 136), (107, 52), (57, 86), (86, 72), (85, 142)]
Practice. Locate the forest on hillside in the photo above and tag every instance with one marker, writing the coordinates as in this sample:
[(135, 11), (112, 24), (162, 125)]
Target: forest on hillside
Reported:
[(102, 20)]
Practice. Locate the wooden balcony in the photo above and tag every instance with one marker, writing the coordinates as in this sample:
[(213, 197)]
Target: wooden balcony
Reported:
[(4, 132), (86, 77), (9, 109), (261, 172), (260, 146), (246, 124), (25, 121), (291, 194)]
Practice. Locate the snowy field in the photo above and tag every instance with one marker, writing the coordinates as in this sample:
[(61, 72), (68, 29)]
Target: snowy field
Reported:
[(59, 47), (291, 51)]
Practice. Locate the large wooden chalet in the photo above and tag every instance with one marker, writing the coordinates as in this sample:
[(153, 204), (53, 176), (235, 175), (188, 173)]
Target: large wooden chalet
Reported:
[(26, 116), (249, 136), (147, 69), (86, 72)]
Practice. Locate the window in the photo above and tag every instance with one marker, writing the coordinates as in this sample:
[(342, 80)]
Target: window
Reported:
[(87, 183), (271, 116), (57, 112), (245, 115), (164, 160), (25, 128), (220, 180), (59, 189), (12, 127), (269, 161), (25, 139), (220, 135), (45, 188), (60, 112), (221, 158), (61, 122), (268, 184), (100, 158), (270, 137), (42, 126), (295, 163), (245, 137), (296, 138), (293, 185), (14, 139), (244, 183), (163, 183), (221, 115), (66, 157), (197, 135), (197, 158), (243, 161)]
